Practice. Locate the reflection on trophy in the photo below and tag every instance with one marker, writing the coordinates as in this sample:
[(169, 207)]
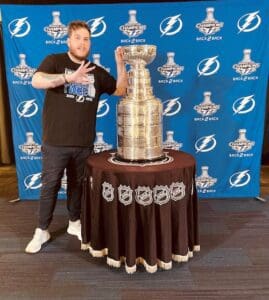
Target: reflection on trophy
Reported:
[(139, 113)]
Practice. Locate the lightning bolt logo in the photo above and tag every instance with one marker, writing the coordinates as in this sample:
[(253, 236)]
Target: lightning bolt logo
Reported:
[(172, 107), (80, 98), (239, 106), (236, 180), (202, 144), (31, 181), (246, 20), (169, 23), (103, 108), (19, 27), (95, 24), (205, 65), (27, 108)]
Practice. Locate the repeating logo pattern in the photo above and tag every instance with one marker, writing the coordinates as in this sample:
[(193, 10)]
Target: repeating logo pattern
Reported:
[(144, 195), (209, 72), (249, 22), (27, 108), (209, 26), (56, 30), (23, 71), (206, 143), (100, 145), (170, 143), (30, 147), (244, 105), (19, 27), (239, 179), (133, 29), (98, 26), (204, 182), (208, 66), (32, 181), (207, 109), (171, 25)]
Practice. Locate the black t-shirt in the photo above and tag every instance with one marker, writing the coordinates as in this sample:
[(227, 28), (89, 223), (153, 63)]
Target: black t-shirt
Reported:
[(69, 113)]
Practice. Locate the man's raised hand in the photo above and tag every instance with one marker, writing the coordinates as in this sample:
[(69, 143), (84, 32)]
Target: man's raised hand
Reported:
[(81, 74)]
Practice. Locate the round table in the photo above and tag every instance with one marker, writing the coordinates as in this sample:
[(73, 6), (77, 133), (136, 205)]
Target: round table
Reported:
[(140, 213)]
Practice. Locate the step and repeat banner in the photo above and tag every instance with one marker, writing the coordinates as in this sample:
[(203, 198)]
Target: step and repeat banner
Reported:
[(210, 72)]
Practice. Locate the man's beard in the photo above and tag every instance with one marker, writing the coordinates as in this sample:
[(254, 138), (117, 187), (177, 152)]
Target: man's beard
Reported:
[(79, 57)]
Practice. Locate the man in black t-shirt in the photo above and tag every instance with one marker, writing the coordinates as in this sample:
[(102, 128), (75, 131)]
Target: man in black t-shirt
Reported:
[(73, 88)]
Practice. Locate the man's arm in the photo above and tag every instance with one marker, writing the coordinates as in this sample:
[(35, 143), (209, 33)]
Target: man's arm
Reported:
[(43, 80), (122, 81)]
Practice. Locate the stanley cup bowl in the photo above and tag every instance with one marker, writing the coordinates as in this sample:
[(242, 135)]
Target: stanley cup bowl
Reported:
[(137, 53), (139, 113)]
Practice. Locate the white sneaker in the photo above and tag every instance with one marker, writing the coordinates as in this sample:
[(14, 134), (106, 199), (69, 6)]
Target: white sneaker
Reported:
[(40, 237), (74, 228)]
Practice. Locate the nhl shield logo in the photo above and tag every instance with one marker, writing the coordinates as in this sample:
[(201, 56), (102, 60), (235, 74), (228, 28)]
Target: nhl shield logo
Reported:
[(143, 195), (161, 194), (125, 194), (177, 191), (107, 191)]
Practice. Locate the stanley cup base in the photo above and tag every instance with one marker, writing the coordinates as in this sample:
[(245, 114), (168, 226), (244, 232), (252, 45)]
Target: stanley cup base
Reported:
[(140, 155)]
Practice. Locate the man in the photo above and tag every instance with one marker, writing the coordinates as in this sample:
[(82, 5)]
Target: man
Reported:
[(74, 87)]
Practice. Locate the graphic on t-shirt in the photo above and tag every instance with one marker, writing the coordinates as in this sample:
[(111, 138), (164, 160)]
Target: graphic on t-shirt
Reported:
[(80, 92)]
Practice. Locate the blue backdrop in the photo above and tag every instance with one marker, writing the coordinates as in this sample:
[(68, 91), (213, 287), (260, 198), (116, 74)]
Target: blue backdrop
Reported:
[(211, 72)]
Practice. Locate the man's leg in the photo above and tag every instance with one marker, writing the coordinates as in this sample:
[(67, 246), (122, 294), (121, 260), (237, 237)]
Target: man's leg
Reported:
[(75, 174), (55, 159)]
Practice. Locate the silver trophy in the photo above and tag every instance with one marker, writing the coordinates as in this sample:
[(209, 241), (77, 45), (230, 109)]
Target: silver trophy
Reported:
[(139, 113)]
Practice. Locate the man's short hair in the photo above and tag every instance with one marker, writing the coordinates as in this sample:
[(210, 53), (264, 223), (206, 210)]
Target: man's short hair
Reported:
[(74, 25)]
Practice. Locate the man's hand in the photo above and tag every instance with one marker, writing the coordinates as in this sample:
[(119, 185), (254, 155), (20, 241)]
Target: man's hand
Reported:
[(122, 81), (119, 56), (43, 80), (80, 75)]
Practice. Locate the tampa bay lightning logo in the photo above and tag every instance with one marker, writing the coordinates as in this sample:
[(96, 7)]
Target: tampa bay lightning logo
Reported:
[(103, 108), (239, 179), (33, 181), (171, 107), (19, 27), (97, 26), (208, 66), (171, 25), (249, 22), (205, 143), (27, 108), (244, 105)]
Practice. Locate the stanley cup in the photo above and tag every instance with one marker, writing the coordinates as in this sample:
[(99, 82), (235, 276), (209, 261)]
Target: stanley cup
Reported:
[(139, 113)]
